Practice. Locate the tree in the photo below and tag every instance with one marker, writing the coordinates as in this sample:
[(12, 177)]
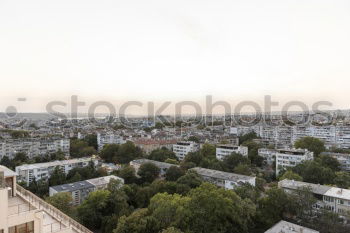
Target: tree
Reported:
[(233, 160), (128, 174), (243, 169), (208, 151), (330, 162), (253, 155), (138, 222), (94, 208), (171, 230), (193, 139), (211, 210), (5, 161), (312, 144), (57, 177), (247, 137), (342, 180), (148, 172), (290, 175), (109, 153), (80, 148), (161, 154), (191, 179), (62, 201), (91, 140), (314, 172), (174, 173)]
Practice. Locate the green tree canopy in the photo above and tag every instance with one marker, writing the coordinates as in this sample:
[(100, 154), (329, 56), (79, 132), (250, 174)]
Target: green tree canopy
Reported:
[(312, 144)]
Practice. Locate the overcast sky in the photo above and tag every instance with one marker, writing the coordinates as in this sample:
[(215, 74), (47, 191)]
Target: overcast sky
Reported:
[(160, 50)]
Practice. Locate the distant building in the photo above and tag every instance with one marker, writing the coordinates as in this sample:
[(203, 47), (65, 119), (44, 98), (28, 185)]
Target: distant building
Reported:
[(343, 159), (330, 198), (286, 158), (181, 149), (224, 179), (225, 150), (38, 171), (81, 189), (136, 164), (108, 138), (287, 227), (33, 147)]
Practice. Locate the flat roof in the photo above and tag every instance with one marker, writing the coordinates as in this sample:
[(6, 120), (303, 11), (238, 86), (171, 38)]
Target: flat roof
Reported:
[(221, 174), (53, 163), (288, 227), (292, 184), (104, 180), (73, 186), (157, 163), (7, 172)]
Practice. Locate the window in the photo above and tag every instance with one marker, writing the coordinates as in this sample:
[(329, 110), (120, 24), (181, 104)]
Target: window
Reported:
[(23, 228)]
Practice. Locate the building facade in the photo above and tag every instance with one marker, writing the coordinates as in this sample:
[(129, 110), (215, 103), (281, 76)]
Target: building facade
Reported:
[(225, 150), (181, 149), (27, 173), (287, 158)]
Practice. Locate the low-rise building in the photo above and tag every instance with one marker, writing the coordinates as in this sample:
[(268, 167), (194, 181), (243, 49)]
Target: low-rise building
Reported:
[(343, 159), (224, 179), (225, 150), (29, 172), (136, 164), (81, 189), (181, 149), (330, 198), (288, 227), (286, 158)]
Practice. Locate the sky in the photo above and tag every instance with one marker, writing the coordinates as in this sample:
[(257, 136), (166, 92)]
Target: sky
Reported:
[(161, 50)]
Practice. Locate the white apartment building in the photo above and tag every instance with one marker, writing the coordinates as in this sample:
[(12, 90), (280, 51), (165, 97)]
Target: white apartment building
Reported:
[(108, 138), (343, 159), (225, 150), (81, 189), (38, 171), (286, 158), (24, 212), (330, 198), (33, 147), (224, 179), (269, 155), (181, 149)]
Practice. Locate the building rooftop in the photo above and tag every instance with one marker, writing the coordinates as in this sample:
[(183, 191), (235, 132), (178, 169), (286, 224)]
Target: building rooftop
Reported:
[(338, 193), (104, 180), (73, 186), (220, 174), (292, 184), (227, 146), (287, 227), (53, 163), (157, 163)]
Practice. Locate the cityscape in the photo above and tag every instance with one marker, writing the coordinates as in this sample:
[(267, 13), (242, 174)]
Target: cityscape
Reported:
[(174, 116)]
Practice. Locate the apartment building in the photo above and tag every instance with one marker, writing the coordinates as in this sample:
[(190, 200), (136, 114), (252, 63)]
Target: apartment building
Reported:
[(108, 138), (286, 158), (181, 149), (24, 212), (136, 164), (224, 179), (33, 147), (288, 227), (343, 159), (38, 171), (330, 198), (81, 189), (269, 155), (225, 150)]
